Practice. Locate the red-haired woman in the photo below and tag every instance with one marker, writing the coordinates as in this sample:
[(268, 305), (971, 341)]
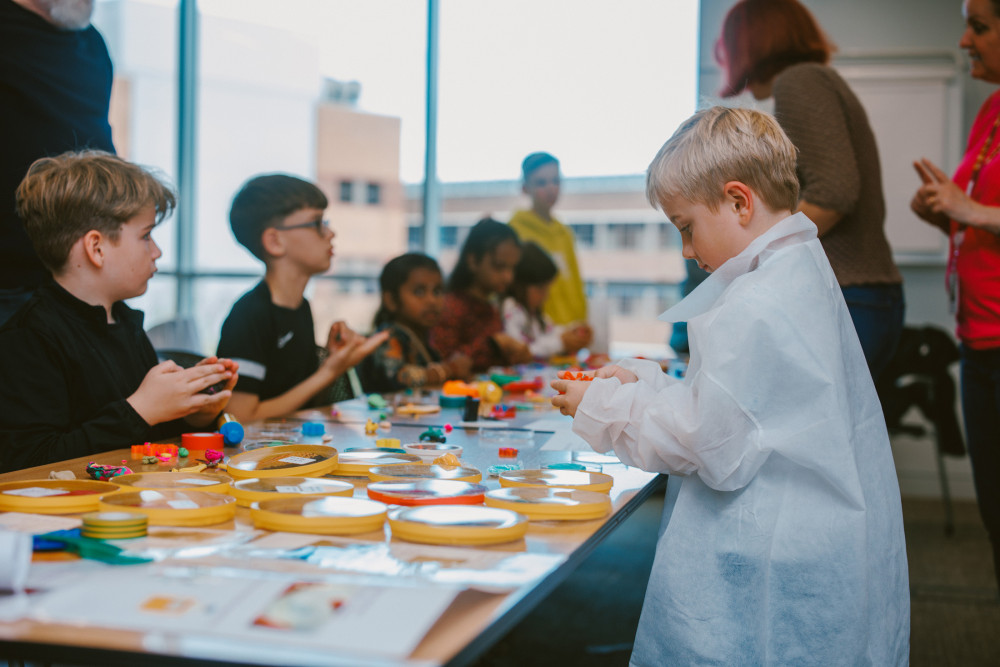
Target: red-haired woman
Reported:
[(775, 48)]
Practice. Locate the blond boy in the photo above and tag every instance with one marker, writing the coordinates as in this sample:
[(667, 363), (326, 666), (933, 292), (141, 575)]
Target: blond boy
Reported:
[(782, 540)]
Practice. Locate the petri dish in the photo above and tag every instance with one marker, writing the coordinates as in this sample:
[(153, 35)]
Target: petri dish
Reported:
[(397, 471), (170, 507), (54, 496), (282, 461), (212, 481), (572, 479), (427, 492), (551, 504), (257, 489), (457, 524), (325, 516), (357, 462)]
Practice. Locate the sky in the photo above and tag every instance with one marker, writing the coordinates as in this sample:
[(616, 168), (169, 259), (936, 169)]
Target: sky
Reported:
[(599, 84)]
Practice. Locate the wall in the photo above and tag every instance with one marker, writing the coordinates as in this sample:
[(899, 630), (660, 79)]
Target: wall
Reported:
[(903, 60)]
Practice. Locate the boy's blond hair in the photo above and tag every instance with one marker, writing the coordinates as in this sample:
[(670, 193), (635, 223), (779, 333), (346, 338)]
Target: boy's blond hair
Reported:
[(718, 145), (64, 197)]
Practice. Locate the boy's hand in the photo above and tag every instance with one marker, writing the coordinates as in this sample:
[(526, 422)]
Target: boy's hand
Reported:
[(170, 392), (347, 347), (207, 414), (570, 394), (613, 371)]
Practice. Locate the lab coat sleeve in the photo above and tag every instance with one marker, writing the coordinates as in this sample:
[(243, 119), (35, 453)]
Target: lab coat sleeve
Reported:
[(664, 425)]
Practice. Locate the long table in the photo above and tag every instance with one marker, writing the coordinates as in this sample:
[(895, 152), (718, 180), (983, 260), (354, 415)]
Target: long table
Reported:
[(472, 622)]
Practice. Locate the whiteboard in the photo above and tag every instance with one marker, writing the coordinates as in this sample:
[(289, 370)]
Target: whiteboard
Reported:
[(915, 111)]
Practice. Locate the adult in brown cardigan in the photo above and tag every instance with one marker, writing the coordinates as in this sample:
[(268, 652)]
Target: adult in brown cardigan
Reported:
[(775, 48)]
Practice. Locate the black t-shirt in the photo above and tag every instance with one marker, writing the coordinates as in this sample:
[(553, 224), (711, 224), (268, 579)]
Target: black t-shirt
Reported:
[(64, 376), (55, 87), (274, 346)]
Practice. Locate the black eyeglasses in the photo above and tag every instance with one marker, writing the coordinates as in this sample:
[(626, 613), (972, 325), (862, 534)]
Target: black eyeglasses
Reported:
[(319, 225)]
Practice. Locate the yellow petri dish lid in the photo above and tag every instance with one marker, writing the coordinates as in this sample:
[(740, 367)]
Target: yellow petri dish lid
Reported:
[(571, 479), (212, 481), (330, 515), (457, 524), (53, 496), (114, 519), (253, 490), (410, 471), (427, 492), (357, 462), (551, 504), (282, 461), (170, 507)]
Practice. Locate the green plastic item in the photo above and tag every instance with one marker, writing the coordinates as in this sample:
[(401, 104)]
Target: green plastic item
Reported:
[(376, 402), (502, 379), (88, 547)]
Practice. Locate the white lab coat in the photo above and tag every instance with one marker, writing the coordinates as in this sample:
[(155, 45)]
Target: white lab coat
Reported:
[(783, 538)]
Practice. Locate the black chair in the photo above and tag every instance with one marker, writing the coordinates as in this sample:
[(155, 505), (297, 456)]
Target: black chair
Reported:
[(919, 375)]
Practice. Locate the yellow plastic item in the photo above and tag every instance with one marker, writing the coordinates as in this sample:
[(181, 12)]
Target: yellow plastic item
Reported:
[(555, 504), (282, 461), (53, 496), (168, 507), (398, 471), (457, 524), (211, 481), (324, 516), (416, 410), (571, 479), (357, 462), (490, 392), (250, 491)]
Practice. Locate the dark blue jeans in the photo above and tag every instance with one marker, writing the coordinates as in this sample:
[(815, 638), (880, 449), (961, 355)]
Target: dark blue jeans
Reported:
[(981, 411), (877, 312)]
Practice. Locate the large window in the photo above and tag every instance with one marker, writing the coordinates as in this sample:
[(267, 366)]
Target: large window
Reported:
[(334, 91)]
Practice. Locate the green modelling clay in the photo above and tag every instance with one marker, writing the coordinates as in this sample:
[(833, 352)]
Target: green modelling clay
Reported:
[(502, 379), (182, 453), (565, 466), (147, 460), (376, 402)]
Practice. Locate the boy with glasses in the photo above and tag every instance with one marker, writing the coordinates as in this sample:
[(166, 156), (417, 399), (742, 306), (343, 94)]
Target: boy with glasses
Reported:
[(269, 331)]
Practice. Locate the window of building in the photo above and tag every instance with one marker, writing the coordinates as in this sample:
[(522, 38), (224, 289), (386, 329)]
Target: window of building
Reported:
[(414, 238), (669, 236), (584, 235), (449, 237), (625, 236), (374, 193), (346, 191)]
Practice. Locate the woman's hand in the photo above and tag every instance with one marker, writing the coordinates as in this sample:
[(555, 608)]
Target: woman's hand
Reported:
[(940, 195)]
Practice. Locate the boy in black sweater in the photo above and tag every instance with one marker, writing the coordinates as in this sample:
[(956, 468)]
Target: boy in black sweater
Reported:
[(77, 373)]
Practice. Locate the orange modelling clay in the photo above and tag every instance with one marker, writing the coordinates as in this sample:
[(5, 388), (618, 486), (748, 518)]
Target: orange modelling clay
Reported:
[(578, 376), (459, 388)]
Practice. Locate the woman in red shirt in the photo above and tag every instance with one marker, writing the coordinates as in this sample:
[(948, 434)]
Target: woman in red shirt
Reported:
[(967, 209)]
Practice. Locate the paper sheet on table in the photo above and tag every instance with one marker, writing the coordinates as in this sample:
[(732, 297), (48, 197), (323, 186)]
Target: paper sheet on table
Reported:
[(485, 570), (344, 615), (37, 524)]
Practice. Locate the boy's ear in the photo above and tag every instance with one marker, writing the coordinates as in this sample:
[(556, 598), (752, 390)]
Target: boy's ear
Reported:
[(273, 242), (741, 199), (93, 243)]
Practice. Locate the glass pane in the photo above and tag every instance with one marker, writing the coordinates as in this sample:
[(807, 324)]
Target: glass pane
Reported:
[(142, 38), (328, 90)]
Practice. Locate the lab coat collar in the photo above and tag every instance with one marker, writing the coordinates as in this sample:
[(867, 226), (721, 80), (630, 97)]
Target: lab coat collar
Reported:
[(794, 229)]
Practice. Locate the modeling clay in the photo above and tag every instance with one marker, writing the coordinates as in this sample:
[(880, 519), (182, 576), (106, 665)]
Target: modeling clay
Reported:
[(432, 435), (102, 472), (507, 452)]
